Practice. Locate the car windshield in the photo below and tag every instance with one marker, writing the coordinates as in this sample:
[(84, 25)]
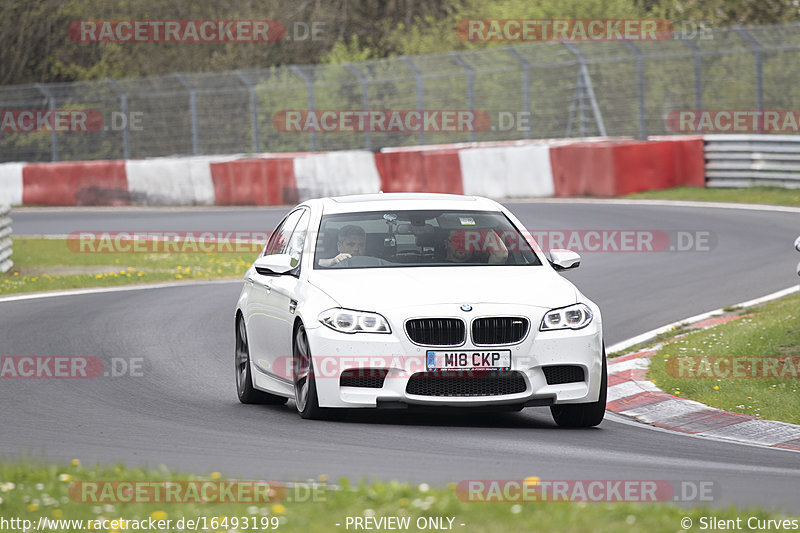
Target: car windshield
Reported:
[(420, 238)]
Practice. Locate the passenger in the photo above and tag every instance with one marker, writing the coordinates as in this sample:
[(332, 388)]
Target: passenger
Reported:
[(459, 250)]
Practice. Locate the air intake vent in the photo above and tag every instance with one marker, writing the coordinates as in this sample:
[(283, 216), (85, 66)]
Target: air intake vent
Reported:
[(368, 378), (436, 331), (555, 375), (466, 383), (499, 330)]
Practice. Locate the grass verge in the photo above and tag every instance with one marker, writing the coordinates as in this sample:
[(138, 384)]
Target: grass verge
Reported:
[(748, 195), (42, 264), (31, 490), (750, 365)]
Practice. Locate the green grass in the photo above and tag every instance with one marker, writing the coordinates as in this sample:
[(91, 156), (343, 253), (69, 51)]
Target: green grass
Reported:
[(30, 490), (748, 195), (774, 332), (42, 264)]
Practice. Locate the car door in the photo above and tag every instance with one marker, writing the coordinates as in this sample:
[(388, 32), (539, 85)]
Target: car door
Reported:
[(262, 308), (283, 300)]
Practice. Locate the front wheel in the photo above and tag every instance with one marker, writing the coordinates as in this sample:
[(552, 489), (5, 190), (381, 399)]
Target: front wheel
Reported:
[(244, 379), (305, 384), (583, 415)]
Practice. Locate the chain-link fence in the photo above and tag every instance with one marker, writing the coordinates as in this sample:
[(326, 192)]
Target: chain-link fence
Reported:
[(533, 90)]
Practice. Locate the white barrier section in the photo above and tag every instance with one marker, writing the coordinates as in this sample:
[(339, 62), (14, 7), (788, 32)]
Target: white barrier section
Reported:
[(336, 173), (507, 171), (171, 181), (11, 183)]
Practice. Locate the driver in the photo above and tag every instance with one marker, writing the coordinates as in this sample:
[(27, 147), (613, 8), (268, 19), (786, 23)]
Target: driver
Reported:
[(352, 241), (461, 247)]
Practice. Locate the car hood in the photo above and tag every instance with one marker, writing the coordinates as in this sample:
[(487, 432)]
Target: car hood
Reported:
[(376, 288)]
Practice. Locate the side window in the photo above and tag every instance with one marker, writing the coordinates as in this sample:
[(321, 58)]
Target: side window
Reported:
[(298, 239), (279, 240)]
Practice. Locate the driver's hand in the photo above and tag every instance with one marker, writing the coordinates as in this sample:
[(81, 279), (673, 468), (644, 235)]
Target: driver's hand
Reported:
[(334, 260)]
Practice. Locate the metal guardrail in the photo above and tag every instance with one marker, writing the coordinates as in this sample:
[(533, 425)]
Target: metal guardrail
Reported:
[(5, 239), (747, 160)]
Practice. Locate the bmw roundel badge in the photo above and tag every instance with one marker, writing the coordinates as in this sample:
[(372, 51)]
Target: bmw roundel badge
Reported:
[(466, 308)]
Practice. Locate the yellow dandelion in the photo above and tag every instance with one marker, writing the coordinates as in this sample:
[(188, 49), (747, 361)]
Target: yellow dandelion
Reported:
[(716, 387), (75, 462), (215, 475), (531, 481), (32, 507), (323, 478), (158, 515), (57, 513), (278, 509)]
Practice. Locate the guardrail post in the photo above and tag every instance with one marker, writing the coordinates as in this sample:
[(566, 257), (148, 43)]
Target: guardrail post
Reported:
[(470, 88), (420, 96), (364, 100), (253, 108), (192, 110), (585, 84), (123, 107), (5, 239), (639, 88), (758, 52), (312, 135), (526, 88), (51, 103)]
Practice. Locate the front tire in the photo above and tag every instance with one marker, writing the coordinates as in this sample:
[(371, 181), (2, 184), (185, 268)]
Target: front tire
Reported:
[(244, 379), (305, 384), (584, 415)]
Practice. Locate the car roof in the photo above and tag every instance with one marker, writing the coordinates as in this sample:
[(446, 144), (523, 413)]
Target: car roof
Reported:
[(406, 201)]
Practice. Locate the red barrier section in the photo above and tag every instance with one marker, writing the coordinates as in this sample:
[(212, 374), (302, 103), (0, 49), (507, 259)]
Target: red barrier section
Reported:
[(614, 168), (420, 171), (75, 183), (255, 182)]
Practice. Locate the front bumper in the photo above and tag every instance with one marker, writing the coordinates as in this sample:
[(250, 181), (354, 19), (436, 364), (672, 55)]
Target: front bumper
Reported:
[(334, 352)]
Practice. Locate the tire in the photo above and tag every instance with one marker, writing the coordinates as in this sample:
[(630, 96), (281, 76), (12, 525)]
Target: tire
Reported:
[(584, 415), (244, 380), (305, 384)]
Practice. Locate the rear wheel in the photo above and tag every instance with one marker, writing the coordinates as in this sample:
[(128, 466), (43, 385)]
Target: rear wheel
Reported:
[(584, 415), (305, 385), (244, 380)]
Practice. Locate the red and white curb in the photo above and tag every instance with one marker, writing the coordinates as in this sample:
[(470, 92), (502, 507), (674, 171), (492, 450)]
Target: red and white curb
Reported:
[(632, 395)]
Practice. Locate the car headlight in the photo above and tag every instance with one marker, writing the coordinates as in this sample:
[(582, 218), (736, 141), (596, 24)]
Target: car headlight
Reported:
[(573, 317), (350, 321)]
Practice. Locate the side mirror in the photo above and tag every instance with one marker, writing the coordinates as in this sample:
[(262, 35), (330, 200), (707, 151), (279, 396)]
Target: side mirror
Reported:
[(564, 259), (269, 265)]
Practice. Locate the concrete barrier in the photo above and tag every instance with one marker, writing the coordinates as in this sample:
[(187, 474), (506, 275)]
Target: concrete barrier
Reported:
[(75, 183), (11, 183)]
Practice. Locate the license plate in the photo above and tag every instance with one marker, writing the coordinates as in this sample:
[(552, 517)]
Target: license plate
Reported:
[(492, 359)]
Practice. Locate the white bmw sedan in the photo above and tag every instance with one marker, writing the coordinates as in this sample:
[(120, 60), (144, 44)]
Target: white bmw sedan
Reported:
[(412, 300)]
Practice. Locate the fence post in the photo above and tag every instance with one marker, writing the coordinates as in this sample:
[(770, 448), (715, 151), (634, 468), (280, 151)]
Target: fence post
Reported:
[(251, 88), (586, 85), (312, 135), (192, 110), (364, 100), (123, 107), (5, 239), (470, 89), (698, 70), (758, 53), (420, 96), (51, 104), (639, 88), (526, 88)]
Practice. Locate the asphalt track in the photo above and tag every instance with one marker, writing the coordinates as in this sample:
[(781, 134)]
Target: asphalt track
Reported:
[(183, 410)]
